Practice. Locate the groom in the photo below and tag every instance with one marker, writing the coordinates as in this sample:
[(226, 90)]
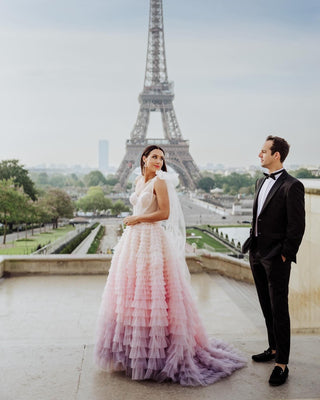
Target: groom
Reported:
[(277, 228)]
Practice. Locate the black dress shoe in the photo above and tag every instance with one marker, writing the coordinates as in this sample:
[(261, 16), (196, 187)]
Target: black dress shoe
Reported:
[(278, 376), (265, 356)]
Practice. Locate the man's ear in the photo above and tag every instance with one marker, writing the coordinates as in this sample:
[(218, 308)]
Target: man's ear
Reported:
[(277, 155)]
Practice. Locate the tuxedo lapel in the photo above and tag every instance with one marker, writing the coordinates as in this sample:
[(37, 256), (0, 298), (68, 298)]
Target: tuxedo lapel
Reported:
[(274, 189)]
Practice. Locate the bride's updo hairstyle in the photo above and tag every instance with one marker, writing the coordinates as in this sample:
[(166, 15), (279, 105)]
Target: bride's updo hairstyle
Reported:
[(146, 152)]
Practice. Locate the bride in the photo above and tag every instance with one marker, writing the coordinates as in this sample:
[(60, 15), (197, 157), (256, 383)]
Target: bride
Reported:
[(148, 323)]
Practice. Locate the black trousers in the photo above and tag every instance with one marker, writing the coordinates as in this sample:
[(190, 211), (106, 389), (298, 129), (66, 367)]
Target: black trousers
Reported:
[(271, 278)]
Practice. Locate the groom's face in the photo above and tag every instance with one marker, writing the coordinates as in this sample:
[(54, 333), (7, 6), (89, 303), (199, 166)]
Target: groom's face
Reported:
[(266, 158)]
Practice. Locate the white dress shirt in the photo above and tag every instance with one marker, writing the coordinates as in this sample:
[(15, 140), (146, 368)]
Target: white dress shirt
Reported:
[(264, 191)]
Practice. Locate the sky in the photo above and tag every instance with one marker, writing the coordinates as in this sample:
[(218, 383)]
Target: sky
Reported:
[(71, 72)]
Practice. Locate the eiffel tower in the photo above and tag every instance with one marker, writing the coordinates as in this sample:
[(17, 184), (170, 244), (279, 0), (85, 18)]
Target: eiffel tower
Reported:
[(157, 96)]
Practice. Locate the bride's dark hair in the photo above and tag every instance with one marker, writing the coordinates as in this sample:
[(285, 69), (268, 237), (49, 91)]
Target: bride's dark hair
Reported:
[(146, 152)]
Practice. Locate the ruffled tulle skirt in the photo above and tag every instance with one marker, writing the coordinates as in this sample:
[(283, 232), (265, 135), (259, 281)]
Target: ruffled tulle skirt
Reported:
[(148, 324)]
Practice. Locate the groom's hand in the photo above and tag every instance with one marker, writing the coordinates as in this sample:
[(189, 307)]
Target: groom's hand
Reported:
[(283, 258)]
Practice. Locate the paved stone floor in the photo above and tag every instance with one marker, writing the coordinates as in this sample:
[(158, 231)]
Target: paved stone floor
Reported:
[(47, 328), (110, 238)]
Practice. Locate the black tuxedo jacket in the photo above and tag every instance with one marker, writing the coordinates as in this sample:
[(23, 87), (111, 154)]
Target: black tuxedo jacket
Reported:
[(281, 222)]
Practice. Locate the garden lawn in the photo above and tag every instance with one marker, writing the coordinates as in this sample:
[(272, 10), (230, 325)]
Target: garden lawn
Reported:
[(205, 238), (27, 246)]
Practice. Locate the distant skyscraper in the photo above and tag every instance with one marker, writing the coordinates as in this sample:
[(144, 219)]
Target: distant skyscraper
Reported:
[(103, 155)]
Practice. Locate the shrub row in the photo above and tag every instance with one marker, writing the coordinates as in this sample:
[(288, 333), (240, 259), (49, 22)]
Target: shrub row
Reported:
[(68, 247), (96, 241)]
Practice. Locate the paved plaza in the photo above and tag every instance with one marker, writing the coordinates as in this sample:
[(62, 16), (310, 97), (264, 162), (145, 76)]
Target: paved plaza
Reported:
[(195, 214), (47, 336)]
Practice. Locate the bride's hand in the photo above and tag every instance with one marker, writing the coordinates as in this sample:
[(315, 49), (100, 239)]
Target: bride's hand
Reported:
[(131, 220)]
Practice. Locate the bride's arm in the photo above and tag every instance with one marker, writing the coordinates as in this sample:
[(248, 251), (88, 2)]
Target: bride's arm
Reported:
[(162, 213)]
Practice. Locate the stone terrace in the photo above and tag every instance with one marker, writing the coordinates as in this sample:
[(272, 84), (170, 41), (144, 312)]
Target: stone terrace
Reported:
[(47, 336)]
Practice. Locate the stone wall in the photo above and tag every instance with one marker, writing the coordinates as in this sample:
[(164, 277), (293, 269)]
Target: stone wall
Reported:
[(225, 265), (56, 264), (100, 264), (1, 266), (305, 275)]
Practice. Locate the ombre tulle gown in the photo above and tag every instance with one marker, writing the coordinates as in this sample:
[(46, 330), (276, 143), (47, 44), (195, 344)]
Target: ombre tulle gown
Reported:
[(148, 324)]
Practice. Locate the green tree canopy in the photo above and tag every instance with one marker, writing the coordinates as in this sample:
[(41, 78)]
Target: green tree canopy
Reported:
[(43, 213), (12, 204), (119, 207), (111, 180), (94, 178), (206, 184), (234, 182), (231, 184), (94, 200), (11, 169), (59, 205), (43, 178), (57, 180), (73, 180), (302, 173)]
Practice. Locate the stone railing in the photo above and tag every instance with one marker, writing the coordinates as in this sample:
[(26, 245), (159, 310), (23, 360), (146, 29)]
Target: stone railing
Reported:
[(55, 264), (231, 267), (100, 264)]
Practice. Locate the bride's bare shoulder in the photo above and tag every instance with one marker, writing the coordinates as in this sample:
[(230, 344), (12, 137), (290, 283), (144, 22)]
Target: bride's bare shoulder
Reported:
[(160, 185)]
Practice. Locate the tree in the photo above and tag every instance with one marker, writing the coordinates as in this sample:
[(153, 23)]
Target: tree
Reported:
[(302, 173), (43, 178), (118, 207), (231, 184), (44, 214), (94, 200), (11, 169), (27, 215), (57, 180), (12, 204), (235, 181), (94, 178), (111, 180), (59, 205), (73, 180), (206, 184)]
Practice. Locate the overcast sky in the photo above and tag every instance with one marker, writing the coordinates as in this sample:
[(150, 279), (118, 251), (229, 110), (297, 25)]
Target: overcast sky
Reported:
[(71, 72)]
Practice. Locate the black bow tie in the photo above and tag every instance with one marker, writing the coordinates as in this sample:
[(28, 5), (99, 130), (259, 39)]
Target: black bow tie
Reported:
[(272, 175)]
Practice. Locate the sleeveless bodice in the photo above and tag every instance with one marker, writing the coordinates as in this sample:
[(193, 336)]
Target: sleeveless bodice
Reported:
[(143, 199)]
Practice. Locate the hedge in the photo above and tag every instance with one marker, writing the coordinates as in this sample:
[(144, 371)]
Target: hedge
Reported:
[(68, 247), (96, 241)]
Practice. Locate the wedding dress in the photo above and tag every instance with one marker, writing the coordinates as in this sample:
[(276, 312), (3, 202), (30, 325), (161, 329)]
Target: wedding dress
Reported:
[(148, 324)]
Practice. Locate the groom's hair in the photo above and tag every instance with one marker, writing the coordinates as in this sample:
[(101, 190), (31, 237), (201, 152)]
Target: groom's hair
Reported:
[(280, 145)]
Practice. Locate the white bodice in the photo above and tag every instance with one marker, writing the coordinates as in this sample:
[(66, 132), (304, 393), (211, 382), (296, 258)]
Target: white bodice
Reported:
[(143, 199)]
